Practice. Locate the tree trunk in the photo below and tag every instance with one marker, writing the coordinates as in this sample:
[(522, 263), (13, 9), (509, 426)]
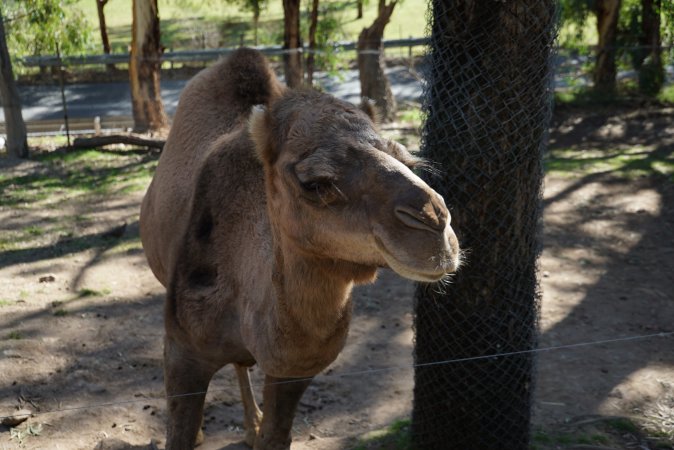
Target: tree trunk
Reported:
[(651, 68), (488, 107), (292, 43), (256, 21), (313, 24), (17, 144), (144, 68), (359, 5), (100, 5), (607, 12), (373, 81)]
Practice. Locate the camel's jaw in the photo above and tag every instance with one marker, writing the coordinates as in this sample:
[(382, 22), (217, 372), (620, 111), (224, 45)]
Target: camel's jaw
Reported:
[(433, 267)]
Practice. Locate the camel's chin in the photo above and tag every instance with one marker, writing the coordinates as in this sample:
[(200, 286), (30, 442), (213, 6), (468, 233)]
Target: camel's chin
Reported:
[(415, 273)]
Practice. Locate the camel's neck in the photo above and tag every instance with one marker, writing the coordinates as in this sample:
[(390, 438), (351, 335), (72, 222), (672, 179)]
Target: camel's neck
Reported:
[(310, 311), (311, 300)]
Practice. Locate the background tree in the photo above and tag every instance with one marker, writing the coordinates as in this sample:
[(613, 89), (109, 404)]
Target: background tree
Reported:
[(313, 25), (144, 68), (100, 8), (604, 75), (292, 43), (606, 13), (488, 107), (17, 144), (325, 29), (373, 81), (256, 7), (37, 27), (651, 69), (640, 30)]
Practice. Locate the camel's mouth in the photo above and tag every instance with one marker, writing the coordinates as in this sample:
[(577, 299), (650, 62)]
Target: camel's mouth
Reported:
[(430, 275)]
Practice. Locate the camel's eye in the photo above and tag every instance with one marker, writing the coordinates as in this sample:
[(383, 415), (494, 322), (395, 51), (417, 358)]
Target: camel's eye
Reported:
[(315, 186), (322, 191)]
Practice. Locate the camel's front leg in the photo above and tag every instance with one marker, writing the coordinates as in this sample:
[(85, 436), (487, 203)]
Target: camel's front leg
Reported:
[(252, 416), (186, 379), (281, 396)]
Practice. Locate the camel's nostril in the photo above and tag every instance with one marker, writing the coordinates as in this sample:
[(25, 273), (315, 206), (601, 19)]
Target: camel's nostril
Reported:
[(421, 219)]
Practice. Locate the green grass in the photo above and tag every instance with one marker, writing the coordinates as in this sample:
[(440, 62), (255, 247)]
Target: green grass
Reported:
[(667, 94), (623, 425), (191, 23), (630, 163), (4, 302), (75, 174), (13, 335), (86, 292), (543, 439), (64, 182), (410, 114), (396, 437)]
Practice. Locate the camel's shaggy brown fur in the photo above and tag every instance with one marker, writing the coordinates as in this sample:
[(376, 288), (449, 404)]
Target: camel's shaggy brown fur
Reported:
[(268, 204)]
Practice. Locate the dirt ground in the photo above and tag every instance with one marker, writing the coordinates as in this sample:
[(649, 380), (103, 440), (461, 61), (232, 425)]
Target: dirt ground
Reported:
[(81, 324)]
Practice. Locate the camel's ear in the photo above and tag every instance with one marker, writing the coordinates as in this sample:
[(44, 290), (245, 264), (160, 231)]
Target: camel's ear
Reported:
[(259, 126), (369, 107)]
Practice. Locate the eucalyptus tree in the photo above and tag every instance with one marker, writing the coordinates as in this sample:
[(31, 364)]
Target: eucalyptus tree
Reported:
[(45, 27), (292, 43), (17, 144), (145, 67), (373, 81)]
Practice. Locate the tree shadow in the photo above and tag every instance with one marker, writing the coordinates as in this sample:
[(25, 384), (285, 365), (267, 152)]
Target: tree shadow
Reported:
[(631, 296), (107, 373)]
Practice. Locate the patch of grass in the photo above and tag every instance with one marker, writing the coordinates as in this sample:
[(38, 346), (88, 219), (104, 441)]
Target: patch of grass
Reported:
[(4, 302), (193, 24), (130, 246), (14, 335), (623, 425), (411, 115), (86, 292), (65, 181), (543, 439), (60, 312), (77, 173), (396, 437), (666, 95), (630, 163), (34, 230)]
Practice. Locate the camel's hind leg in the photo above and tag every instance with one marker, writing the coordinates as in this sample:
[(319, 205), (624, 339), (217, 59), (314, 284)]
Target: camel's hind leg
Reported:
[(186, 378), (252, 416)]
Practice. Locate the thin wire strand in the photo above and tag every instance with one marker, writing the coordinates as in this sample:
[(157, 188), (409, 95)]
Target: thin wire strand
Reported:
[(368, 371)]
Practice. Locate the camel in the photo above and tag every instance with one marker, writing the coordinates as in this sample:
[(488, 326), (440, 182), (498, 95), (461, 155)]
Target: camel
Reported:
[(267, 206)]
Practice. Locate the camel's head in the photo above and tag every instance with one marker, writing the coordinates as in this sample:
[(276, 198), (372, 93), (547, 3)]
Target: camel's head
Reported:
[(338, 190)]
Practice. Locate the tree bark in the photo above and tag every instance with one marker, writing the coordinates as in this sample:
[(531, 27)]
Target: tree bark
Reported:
[(17, 143), (311, 57), (144, 68), (292, 43), (359, 5), (373, 81), (488, 107), (651, 68), (256, 21), (100, 5), (607, 12)]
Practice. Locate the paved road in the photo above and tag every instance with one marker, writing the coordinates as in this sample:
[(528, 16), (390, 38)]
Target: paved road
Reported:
[(86, 101), (113, 99)]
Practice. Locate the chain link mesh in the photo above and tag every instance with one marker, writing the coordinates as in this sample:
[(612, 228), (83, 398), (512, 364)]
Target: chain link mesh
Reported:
[(488, 102)]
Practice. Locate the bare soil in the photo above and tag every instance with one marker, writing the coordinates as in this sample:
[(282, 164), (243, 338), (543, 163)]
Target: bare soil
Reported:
[(81, 321)]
